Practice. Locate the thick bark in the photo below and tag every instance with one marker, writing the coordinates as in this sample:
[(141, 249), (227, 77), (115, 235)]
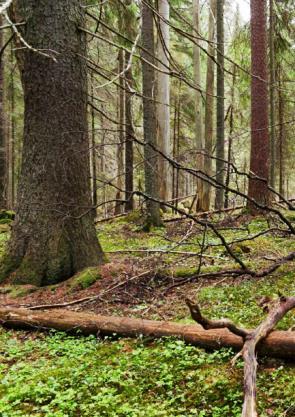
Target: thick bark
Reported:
[(3, 162), (220, 104), (163, 101), (53, 236), (209, 106), (259, 160), (149, 115), (277, 344)]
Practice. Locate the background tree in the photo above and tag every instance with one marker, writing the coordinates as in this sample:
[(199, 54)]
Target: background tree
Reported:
[(149, 114), (209, 104), (259, 160), (219, 200), (163, 98)]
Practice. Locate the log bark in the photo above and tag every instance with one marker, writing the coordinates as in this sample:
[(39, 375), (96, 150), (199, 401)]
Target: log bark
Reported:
[(276, 344)]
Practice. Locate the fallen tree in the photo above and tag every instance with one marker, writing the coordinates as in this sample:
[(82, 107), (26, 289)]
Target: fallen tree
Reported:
[(276, 344)]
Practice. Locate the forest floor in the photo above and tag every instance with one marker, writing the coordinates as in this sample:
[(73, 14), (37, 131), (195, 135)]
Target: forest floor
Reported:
[(58, 375)]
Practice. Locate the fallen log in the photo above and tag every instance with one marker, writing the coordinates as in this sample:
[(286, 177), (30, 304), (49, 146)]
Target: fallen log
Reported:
[(277, 343)]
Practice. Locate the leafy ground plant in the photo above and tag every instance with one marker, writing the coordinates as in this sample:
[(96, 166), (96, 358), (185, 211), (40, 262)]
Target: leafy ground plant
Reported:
[(61, 376)]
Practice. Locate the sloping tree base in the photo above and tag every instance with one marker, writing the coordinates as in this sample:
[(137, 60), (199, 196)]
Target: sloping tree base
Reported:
[(277, 344)]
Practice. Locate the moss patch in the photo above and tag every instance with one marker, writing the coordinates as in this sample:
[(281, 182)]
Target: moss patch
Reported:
[(84, 279)]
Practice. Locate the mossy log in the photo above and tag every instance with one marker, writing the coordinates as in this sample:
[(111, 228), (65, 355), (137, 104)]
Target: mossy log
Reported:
[(277, 343)]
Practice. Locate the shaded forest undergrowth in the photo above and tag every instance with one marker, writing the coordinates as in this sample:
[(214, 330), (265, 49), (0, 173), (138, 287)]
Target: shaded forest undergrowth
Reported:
[(82, 376)]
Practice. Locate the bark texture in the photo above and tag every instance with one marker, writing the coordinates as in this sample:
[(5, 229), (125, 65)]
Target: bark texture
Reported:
[(209, 106), (259, 160), (149, 115), (277, 343), (272, 90), (220, 104), (163, 100), (53, 236), (3, 163), (198, 108), (129, 138)]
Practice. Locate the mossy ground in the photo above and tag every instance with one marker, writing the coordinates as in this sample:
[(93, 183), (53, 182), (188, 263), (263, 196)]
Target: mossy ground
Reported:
[(58, 376)]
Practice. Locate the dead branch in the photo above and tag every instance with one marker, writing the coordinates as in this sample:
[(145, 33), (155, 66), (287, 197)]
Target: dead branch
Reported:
[(277, 310)]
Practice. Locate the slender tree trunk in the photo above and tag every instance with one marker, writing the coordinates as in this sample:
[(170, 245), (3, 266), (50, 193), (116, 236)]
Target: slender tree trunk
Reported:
[(53, 236), (3, 164), (163, 100), (220, 105), (272, 93), (198, 107), (209, 105), (230, 138), (129, 138), (149, 116), (93, 151), (259, 160), (282, 133), (120, 147)]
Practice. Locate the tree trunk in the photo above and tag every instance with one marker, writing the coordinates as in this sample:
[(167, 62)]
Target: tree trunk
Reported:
[(93, 149), (230, 137), (120, 147), (198, 107), (282, 141), (220, 105), (163, 101), (277, 343), (259, 160), (129, 138), (53, 236), (272, 93), (3, 164), (209, 105), (149, 115)]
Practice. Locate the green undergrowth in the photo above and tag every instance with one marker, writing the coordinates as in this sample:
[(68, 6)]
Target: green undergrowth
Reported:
[(239, 302), (62, 376)]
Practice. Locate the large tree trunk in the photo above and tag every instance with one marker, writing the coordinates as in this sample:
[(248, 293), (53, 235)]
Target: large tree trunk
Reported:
[(220, 105), (277, 343), (259, 106), (163, 101), (209, 105), (149, 115), (53, 236)]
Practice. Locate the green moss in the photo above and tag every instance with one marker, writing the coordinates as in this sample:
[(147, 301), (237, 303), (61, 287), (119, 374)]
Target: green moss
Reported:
[(84, 279), (17, 291), (7, 214)]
